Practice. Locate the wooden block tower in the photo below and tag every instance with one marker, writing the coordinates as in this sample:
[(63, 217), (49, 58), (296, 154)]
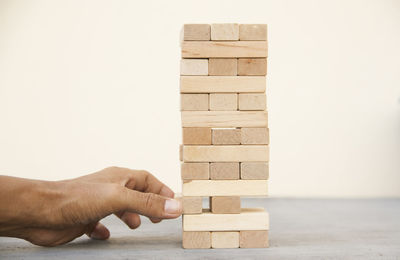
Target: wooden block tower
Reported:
[(225, 150)]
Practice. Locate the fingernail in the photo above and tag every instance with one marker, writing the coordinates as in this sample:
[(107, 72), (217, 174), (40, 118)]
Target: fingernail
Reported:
[(172, 206)]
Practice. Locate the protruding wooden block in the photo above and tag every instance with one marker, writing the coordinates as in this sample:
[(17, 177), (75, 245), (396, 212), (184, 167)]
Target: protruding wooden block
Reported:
[(252, 67), (225, 204), (226, 136), (253, 32), (225, 188), (223, 102), (194, 67), (194, 102), (224, 32), (196, 32), (222, 84), (225, 239), (224, 171), (195, 171), (252, 101), (196, 239), (254, 171), (253, 135), (196, 135), (236, 49), (192, 205), (222, 67), (254, 239)]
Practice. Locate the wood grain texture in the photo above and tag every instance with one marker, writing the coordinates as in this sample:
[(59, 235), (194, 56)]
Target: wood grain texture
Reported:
[(192, 240), (194, 102), (253, 32), (194, 67), (224, 171), (225, 204), (225, 239), (195, 171), (253, 135), (254, 239), (196, 135), (252, 67), (225, 32), (223, 102), (224, 84), (226, 136), (254, 171), (222, 67), (192, 205), (196, 32), (225, 188), (252, 102)]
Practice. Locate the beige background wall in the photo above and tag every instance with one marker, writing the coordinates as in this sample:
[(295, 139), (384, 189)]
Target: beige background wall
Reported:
[(88, 84)]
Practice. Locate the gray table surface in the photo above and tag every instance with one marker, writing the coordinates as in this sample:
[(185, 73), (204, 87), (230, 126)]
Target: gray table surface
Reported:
[(300, 229)]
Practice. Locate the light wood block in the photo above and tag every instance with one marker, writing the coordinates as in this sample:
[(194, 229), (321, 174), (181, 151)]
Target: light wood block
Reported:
[(195, 171), (253, 135), (224, 171), (252, 67), (226, 153), (196, 32), (226, 136), (252, 102), (225, 188), (196, 240), (253, 32), (223, 102), (192, 205), (224, 84), (225, 205), (194, 102), (181, 152), (247, 219), (224, 32), (194, 67), (222, 67), (214, 49), (196, 135), (254, 171), (227, 119), (225, 239), (254, 239)]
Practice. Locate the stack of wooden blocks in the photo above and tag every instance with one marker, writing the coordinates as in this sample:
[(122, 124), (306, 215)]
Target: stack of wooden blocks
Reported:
[(225, 150)]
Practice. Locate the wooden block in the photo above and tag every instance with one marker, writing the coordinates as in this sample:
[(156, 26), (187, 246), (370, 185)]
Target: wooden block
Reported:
[(226, 153), (247, 219), (254, 239), (194, 67), (223, 102), (192, 205), (181, 153), (225, 204), (237, 49), (224, 84), (252, 67), (196, 135), (224, 119), (224, 171), (224, 32), (254, 171), (253, 32), (253, 135), (195, 102), (226, 136), (222, 67), (252, 101), (196, 32), (225, 239), (225, 188), (195, 171), (196, 239)]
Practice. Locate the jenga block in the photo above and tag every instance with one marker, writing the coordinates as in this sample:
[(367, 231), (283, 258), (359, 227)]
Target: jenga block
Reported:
[(253, 32), (192, 205), (194, 67), (196, 239), (252, 101), (254, 239), (252, 67), (253, 135), (196, 32), (222, 67), (224, 32), (225, 239), (195, 102), (224, 84), (247, 219), (226, 153), (223, 102), (224, 171), (225, 204), (226, 136), (224, 119), (237, 49), (196, 135), (181, 153), (225, 188), (254, 171), (195, 171)]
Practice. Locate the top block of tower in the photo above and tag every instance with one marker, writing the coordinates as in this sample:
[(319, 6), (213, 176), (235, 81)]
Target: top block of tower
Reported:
[(196, 32)]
